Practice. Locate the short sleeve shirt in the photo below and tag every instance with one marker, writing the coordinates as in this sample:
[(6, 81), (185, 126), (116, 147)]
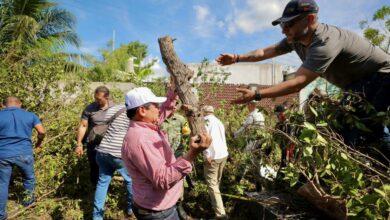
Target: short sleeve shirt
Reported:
[(95, 116), (15, 132), (340, 56)]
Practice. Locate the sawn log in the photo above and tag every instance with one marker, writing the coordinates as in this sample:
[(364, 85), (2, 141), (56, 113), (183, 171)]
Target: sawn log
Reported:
[(181, 75)]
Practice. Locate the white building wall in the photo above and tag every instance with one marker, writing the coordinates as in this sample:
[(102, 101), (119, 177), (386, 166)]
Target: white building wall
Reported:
[(247, 73)]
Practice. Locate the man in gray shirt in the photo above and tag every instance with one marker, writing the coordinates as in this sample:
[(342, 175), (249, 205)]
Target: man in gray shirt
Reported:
[(94, 114), (340, 56)]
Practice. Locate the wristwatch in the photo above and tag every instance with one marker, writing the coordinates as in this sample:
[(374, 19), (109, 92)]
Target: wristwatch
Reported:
[(257, 96)]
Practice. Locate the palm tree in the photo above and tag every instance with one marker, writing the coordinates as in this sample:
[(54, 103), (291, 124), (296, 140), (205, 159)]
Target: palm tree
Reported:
[(24, 22)]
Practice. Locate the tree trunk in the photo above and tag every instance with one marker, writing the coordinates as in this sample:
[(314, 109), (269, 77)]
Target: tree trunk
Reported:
[(181, 75)]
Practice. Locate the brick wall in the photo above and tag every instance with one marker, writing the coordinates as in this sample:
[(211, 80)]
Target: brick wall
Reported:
[(213, 95)]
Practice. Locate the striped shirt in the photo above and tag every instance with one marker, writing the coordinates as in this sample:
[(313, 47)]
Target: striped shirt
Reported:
[(113, 139)]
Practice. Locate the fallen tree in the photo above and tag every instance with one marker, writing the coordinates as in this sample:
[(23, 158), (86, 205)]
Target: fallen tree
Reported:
[(182, 75)]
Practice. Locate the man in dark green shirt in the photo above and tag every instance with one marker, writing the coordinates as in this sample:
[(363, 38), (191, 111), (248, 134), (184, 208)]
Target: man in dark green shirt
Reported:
[(340, 56)]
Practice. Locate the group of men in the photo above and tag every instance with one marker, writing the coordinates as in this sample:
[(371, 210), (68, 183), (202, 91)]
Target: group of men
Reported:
[(129, 139), (152, 164)]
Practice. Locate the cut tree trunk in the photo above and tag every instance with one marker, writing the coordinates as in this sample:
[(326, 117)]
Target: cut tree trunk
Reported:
[(334, 207), (181, 75)]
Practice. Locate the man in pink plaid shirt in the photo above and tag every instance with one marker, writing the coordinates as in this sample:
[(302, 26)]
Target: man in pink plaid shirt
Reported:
[(157, 175)]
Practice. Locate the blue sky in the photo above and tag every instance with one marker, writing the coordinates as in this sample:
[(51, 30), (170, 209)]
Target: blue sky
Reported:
[(203, 29)]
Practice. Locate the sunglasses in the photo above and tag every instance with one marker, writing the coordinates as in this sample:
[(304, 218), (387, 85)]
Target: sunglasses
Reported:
[(290, 24)]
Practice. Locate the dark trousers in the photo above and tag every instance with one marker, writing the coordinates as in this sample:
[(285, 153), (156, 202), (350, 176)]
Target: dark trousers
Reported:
[(375, 89), (145, 214), (93, 166)]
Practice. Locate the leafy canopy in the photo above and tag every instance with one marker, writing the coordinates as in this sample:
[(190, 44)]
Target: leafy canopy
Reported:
[(124, 64), (25, 22), (378, 36)]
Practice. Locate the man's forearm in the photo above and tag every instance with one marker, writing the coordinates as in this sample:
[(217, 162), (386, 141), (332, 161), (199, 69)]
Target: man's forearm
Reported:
[(281, 89), (259, 54), (40, 138), (302, 78), (80, 134)]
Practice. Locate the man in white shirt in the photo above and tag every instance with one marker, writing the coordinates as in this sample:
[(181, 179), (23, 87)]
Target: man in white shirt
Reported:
[(215, 160), (255, 118)]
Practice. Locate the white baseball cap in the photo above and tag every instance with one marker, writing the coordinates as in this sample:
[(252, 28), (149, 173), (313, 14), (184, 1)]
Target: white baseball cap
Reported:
[(140, 96), (208, 109)]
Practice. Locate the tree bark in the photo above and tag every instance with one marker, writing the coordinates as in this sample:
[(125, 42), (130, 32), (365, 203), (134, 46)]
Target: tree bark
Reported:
[(181, 75)]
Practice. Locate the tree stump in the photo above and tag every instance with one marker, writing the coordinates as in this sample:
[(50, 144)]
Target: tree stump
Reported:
[(181, 75)]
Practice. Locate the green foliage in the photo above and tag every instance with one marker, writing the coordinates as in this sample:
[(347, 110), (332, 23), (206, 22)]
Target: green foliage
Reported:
[(23, 23), (379, 37), (124, 64), (340, 170), (38, 78)]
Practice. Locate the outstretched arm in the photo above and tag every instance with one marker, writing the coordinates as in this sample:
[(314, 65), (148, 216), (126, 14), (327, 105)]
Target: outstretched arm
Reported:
[(303, 77), (253, 56)]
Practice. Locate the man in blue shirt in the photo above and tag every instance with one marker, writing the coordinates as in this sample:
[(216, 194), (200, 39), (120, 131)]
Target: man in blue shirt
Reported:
[(16, 127)]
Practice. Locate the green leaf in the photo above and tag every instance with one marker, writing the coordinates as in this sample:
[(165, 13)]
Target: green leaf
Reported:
[(307, 140), (313, 111), (362, 126), (383, 194), (386, 187), (308, 151), (381, 114), (322, 124), (309, 126), (344, 156), (360, 176), (321, 140)]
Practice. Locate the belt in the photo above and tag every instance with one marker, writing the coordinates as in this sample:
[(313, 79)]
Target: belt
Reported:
[(145, 210)]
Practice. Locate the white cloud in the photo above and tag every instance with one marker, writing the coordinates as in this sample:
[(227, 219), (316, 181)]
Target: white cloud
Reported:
[(158, 69), (202, 12), (206, 22), (254, 15)]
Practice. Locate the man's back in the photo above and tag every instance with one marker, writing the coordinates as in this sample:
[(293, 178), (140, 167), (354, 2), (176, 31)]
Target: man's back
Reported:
[(216, 129), (15, 131)]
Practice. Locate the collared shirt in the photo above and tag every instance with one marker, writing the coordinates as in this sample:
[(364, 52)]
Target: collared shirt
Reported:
[(113, 139), (95, 115), (16, 127), (254, 118), (218, 146), (156, 173)]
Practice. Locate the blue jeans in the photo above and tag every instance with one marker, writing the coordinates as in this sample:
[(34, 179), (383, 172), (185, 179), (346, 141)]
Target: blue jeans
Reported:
[(145, 214), (108, 164), (26, 164)]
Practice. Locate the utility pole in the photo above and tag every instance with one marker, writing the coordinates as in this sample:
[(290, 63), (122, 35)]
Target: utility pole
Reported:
[(273, 71), (113, 40)]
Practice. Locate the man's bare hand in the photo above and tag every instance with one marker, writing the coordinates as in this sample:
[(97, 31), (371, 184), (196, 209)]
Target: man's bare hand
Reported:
[(79, 150), (200, 142), (247, 96), (226, 59)]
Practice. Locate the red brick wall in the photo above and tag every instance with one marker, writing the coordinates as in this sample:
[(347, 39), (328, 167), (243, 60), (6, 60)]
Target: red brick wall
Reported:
[(214, 94)]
